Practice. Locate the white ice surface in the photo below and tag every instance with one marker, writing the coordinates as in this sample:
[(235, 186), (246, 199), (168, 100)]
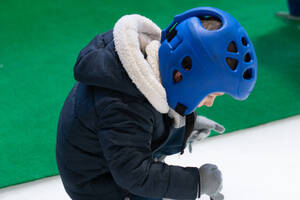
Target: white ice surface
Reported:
[(261, 163)]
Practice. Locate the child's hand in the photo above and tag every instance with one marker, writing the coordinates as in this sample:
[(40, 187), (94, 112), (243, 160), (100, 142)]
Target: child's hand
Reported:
[(211, 182), (202, 129), (217, 196), (202, 123)]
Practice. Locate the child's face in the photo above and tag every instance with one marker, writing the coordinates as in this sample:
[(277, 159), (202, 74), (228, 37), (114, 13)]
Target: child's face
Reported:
[(209, 99)]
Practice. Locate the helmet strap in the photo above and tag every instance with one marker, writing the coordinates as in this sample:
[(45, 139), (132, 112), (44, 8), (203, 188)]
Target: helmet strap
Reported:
[(189, 126), (180, 108), (189, 123)]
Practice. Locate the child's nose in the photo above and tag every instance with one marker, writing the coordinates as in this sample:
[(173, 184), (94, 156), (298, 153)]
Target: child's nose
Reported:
[(209, 102)]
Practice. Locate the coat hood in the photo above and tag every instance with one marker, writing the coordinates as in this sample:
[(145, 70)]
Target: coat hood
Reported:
[(99, 65), (126, 60)]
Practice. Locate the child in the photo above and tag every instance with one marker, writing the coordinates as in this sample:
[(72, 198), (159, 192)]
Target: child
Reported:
[(135, 100)]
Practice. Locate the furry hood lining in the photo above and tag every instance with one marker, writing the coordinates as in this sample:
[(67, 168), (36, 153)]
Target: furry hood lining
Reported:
[(137, 43), (132, 34)]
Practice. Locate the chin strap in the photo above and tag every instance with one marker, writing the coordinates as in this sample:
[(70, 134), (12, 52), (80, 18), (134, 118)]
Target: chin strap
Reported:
[(189, 123), (189, 126)]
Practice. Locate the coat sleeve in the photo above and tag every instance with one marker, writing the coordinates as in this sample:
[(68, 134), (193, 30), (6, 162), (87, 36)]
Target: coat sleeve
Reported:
[(125, 132)]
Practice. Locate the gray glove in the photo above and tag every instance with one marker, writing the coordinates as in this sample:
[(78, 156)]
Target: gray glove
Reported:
[(217, 196), (211, 181), (202, 128)]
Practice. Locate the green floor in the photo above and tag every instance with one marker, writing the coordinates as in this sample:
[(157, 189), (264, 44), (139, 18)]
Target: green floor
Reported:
[(39, 42)]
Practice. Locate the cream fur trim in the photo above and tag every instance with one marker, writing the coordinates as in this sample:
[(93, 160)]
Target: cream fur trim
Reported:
[(132, 33), (135, 38)]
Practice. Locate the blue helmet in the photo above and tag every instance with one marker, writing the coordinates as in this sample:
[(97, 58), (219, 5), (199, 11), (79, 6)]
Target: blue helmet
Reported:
[(205, 60)]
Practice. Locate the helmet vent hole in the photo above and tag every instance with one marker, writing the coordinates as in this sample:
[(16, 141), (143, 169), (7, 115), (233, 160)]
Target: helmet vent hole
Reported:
[(211, 23), (244, 41), (171, 33), (187, 63), (232, 63), (232, 47), (177, 77), (247, 74), (247, 57)]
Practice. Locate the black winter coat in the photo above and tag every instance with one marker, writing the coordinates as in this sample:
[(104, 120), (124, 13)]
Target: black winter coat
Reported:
[(109, 135)]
